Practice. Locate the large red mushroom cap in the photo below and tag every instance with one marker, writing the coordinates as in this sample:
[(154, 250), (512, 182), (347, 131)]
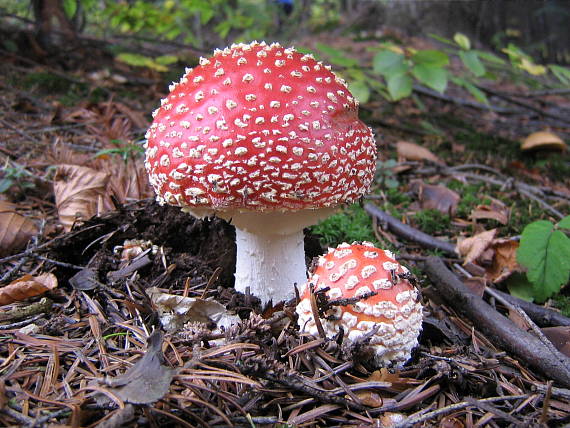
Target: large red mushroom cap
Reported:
[(259, 127), (356, 270)]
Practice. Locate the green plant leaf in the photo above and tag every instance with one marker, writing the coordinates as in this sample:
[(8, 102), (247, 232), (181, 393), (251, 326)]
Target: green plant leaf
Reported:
[(471, 60), (360, 90), (519, 286), (336, 56), (166, 59), (545, 252), (387, 63), (487, 56), (5, 184), (562, 73), (477, 93), (433, 77), (70, 7), (441, 39), (564, 223), (432, 58), (462, 40), (399, 86)]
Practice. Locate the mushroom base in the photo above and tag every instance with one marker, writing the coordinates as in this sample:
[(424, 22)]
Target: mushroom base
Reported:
[(270, 264)]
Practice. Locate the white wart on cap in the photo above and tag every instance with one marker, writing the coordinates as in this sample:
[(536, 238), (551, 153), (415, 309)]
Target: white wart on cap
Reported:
[(395, 311)]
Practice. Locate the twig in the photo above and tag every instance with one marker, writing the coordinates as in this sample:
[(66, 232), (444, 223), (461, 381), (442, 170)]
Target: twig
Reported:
[(523, 104), (20, 324), (14, 270), (524, 189), (57, 263), (498, 329), (542, 316), (21, 418), (44, 305), (422, 417), (409, 232), (463, 102), (492, 409)]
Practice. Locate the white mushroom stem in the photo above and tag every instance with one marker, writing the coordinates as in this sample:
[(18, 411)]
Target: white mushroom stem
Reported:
[(270, 251), (270, 264)]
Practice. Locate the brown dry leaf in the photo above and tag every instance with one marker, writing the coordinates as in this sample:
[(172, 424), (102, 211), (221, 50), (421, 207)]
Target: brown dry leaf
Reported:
[(129, 181), (476, 284), (435, 197), (389, 419), (451, 422), (79, 193), (370, 398), (504, 261), (15, 229), (27, 286), (136, 117), (415, 152), (473, 247), (496, 210), (560, 338)]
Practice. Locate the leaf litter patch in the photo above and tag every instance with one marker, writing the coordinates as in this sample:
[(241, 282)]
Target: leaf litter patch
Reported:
[(223, 371)]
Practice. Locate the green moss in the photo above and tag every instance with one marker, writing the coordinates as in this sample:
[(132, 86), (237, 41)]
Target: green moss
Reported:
[(46, 82), (432, 222), (470, 197), (349, 225), (562, 303)]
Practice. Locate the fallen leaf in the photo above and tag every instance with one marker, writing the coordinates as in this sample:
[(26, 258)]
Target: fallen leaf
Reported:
[(136, 117), (435, 197), (129, 181), (26, 287), (450, 422), (504, 260), (174, 311), (476, 284), (560, 338), (79, 193), (389, 419), (496, 210), (148, 380), (85, 279), (15, 229), (370, 398), (543, 140), (472, 248), (415, 152)]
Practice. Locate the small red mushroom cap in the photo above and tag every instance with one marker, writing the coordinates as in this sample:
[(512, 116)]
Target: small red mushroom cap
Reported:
[(395, 311), (259, 127)]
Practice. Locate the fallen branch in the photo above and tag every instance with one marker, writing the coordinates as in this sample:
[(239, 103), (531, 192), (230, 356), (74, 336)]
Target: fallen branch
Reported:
[(542, 316), (498, 329), (408, 232)]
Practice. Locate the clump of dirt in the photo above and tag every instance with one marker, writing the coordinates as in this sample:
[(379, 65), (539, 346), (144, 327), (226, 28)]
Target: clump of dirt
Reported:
[(187, 247), (195, 247)]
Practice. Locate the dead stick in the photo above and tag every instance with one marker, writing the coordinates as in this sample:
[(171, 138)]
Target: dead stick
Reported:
[(497, 328), (542, 316), (408, 232)]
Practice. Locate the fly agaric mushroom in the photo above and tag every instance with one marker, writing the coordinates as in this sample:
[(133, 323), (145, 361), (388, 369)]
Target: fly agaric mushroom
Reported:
[(388, 310), (269, 138)]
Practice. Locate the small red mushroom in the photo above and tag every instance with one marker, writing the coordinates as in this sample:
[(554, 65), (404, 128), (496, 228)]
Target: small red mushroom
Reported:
[(269, 138), (394, 311)]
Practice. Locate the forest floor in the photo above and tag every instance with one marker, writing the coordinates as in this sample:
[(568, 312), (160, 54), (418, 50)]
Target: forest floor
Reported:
[(83, 294)]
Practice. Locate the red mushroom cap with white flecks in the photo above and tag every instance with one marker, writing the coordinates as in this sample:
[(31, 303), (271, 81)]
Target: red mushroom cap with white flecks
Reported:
[(259, 127), (357, 270)]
